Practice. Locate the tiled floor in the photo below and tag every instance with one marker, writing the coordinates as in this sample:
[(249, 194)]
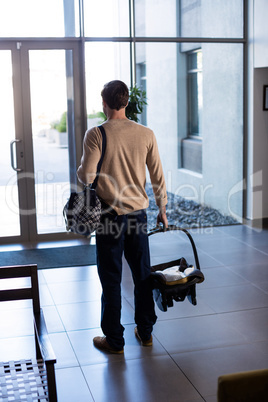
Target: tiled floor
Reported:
[(226, 332)]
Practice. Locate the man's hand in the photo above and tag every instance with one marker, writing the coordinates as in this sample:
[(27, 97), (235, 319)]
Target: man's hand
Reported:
[(162, 217)]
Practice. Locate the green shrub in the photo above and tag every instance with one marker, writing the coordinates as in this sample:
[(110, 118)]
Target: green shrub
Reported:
[(99, 115), (61, 125)]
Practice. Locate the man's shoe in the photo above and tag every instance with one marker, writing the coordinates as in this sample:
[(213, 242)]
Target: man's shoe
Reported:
[(149, 342), (101, 343)]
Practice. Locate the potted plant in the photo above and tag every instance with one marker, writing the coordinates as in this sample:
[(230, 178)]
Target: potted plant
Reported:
[(60, 131), (136, 103)]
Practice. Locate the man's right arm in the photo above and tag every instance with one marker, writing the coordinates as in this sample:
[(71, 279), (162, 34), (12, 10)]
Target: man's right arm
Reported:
[(162, 217), (158, 181)]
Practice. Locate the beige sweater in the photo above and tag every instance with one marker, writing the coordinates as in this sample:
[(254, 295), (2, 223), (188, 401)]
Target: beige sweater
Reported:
[(130, 147)]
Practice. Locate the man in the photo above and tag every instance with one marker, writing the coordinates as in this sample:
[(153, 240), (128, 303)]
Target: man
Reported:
[(121, 186)]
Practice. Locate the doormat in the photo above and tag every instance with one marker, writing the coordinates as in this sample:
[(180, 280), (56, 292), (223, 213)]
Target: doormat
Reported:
[(51, 257)]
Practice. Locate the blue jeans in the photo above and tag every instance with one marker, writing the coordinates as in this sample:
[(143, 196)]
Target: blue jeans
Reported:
[(115, 235)]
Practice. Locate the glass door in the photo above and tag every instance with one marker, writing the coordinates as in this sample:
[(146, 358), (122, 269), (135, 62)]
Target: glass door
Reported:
[(38, 164), (52, 108), (9, 204)]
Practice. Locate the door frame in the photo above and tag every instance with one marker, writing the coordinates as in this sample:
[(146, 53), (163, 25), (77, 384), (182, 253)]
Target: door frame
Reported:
[(23, 127)]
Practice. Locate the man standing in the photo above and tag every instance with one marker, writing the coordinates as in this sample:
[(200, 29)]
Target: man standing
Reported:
[(121, 185)]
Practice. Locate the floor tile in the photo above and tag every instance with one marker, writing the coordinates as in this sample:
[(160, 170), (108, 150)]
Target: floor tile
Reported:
[(87, 354), (204, 367), (263, 248), (75, 292), (188, 334), (45, 296), (206, 260), (152, 379), (41, 278), (211, 398), (127, 288), (14, 283), (251, 324), (251, 272), (220, 276), (80, 315), (52, 319), (221, 242), (86, 315), (184, 309), (248, 256), (240, 231), (72, 386), (17, 348), (16, 322), (70, 274), (15, 304), (63, 350), (233, 298), (262, 286), (256, 240), (244, 233)]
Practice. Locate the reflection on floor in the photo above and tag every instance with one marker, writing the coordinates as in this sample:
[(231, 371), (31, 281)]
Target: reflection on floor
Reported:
[(226, 332)]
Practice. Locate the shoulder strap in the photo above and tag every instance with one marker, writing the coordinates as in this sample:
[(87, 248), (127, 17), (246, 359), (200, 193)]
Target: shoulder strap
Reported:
[(95, 182)]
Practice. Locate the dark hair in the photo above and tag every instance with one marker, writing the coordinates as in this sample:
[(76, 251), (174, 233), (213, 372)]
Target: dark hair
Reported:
[(115, 94)]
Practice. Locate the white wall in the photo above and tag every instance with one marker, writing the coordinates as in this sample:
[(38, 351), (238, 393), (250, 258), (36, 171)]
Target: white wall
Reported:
[(257, 165), (260, 145)]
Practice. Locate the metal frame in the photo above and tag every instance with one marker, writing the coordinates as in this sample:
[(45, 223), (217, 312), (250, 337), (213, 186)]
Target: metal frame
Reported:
[(79, 77), (22, 107)]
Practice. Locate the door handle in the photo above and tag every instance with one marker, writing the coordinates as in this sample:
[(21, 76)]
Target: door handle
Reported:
[(12, 155)]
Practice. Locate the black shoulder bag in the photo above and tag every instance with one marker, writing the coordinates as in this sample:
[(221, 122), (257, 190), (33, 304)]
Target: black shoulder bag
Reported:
[(82, 212)]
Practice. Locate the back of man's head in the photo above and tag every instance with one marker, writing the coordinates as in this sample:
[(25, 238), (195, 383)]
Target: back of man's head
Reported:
[(115, 94)]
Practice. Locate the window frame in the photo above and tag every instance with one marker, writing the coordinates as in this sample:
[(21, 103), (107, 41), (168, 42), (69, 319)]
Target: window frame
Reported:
[(193, 103)]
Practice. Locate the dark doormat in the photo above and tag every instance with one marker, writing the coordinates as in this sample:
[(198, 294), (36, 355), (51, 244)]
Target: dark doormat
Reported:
[(51, 257)]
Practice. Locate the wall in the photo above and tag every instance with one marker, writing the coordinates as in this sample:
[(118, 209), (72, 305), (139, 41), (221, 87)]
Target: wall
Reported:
[(257, 139), (260, 145)]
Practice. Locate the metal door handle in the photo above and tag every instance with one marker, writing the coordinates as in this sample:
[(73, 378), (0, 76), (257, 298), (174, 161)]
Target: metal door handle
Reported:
[(12, 155)]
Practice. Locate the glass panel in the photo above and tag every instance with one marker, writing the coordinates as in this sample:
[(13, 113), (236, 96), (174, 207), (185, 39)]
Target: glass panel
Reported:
[(195, 92), (189, 18), (31, 18), (211, 18), (98, 73), (105, 18), (49, 70), (219, 185), (193, 105), (9, 207), (155, 18)]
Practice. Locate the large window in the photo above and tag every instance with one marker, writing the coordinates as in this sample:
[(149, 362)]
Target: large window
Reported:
[(188, 57), (106, 18), (104, 61), (195, 168), (39, 18)]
